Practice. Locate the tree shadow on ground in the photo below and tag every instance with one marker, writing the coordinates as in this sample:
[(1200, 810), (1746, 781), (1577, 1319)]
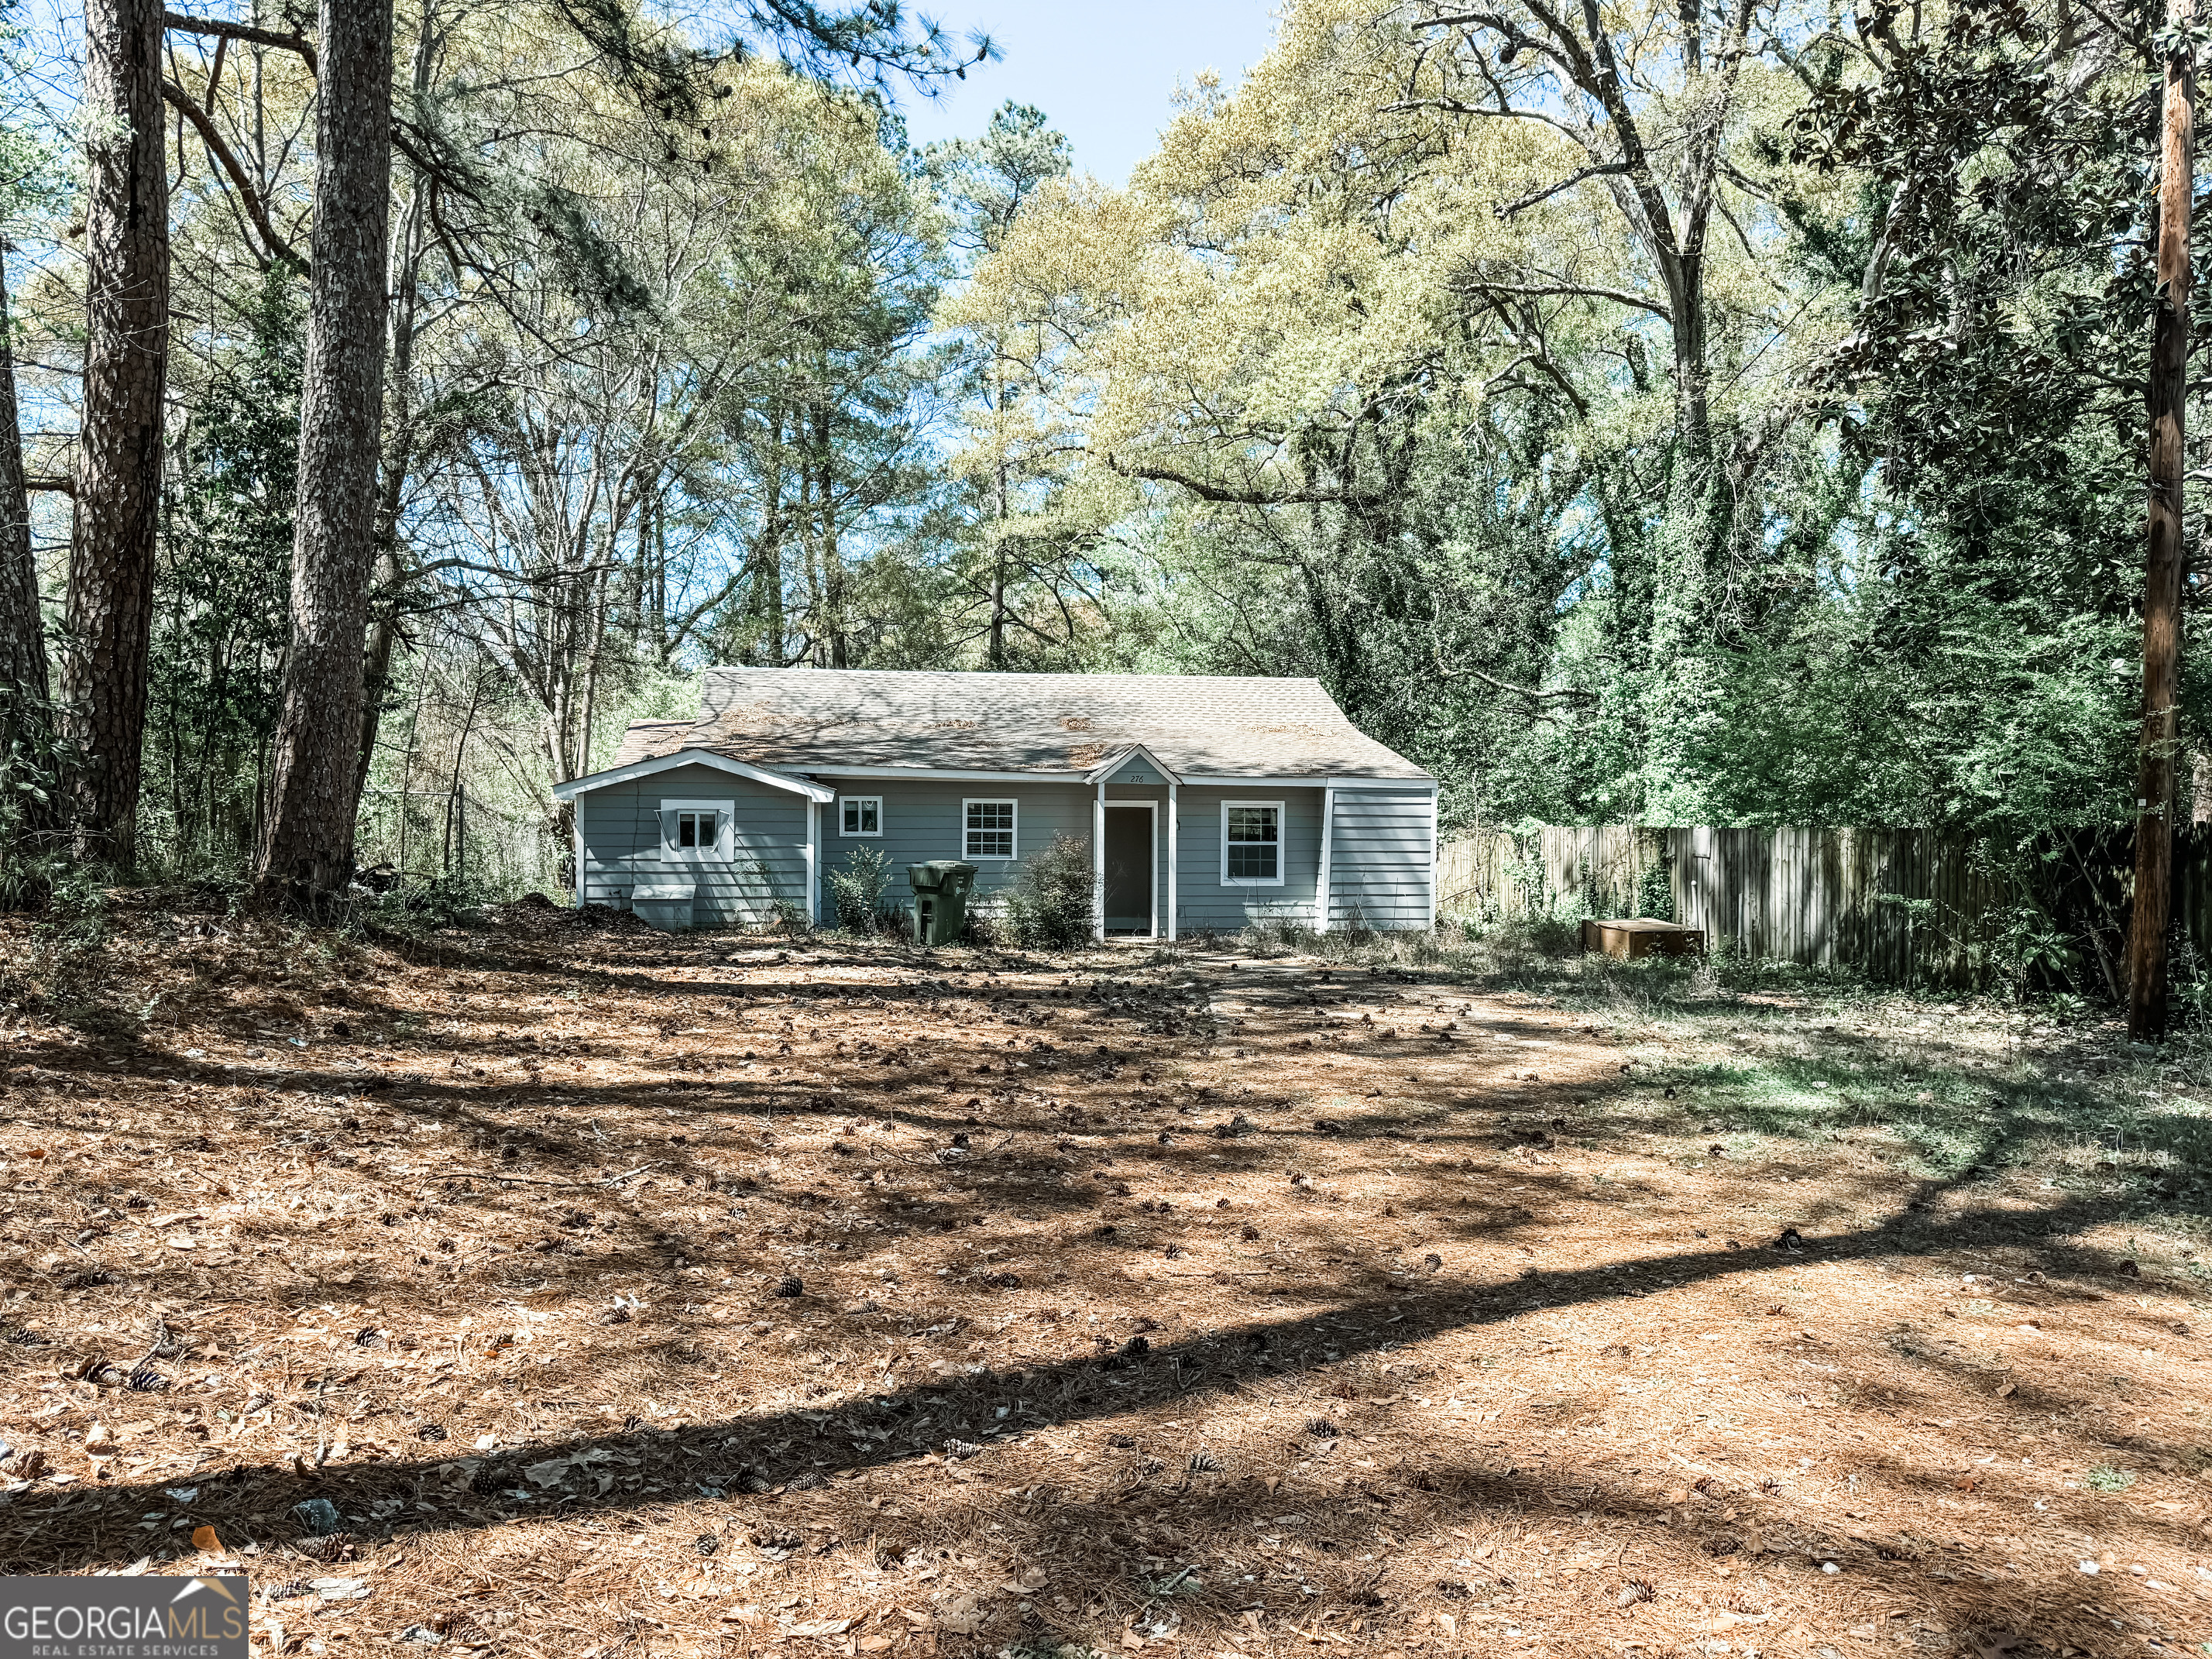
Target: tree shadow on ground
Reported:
[(1347, 1304)]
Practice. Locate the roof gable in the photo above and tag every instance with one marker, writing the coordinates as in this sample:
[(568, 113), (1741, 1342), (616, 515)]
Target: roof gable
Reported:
[(1136, 765), (645, 766)]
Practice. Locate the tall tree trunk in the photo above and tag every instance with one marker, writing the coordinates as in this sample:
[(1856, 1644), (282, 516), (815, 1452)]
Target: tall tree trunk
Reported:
[(2169, 387), (307, 843), (995, 654), (118, 475), (399, 455), (26, 693), (376, 658), (835, 626), (764, 591)]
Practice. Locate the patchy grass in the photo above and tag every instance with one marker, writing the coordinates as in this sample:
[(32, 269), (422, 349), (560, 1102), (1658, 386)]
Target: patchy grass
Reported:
[(624, 1294)]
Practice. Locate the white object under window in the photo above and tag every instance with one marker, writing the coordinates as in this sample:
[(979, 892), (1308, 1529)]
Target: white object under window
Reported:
[(695, 829), (1251, 843), (860, 815), (989, 828)]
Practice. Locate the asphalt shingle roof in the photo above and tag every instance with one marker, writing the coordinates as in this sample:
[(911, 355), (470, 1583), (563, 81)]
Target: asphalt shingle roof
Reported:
[(1198, 725)]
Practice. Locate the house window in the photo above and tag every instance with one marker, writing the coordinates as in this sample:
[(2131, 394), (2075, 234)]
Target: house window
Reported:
[(990, 830), (1252, 843), (860, 815), (693, 829)]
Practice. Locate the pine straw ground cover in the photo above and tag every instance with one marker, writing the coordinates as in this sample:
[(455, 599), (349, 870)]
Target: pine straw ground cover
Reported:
[(613, 1294)]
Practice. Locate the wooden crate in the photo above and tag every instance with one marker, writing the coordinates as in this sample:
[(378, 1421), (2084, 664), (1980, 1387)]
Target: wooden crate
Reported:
[(1632, 939)]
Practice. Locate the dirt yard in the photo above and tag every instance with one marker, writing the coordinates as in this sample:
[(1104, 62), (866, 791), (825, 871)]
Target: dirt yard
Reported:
[(538, 1291)]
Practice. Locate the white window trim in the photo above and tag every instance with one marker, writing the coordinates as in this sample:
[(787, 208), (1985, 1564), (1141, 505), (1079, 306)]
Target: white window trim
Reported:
[(876, 833), (967, 857), (1282, 840), (725, 830)]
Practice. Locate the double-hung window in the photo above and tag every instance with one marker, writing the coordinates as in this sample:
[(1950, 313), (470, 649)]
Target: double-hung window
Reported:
[(1252, 843), (988, 828), (860, 815), (693, 829)]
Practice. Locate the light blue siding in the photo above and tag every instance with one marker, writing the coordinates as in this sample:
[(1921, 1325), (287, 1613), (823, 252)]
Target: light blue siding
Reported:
[(1136, 770), (1382, 858), (1209, 905), (924, 819), (1382, 852), (626, 843)]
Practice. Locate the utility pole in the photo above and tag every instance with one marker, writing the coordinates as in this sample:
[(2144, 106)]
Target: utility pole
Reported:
[(2169, 386)]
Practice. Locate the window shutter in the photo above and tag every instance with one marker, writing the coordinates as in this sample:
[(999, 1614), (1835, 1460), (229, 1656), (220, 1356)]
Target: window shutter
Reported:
[(667, 831)]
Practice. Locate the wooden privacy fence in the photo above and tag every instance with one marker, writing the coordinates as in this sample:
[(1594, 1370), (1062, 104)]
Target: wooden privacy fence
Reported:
[(1903, 905)]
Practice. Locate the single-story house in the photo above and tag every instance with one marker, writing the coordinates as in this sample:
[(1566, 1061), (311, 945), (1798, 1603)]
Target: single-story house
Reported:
[(1209, 802)]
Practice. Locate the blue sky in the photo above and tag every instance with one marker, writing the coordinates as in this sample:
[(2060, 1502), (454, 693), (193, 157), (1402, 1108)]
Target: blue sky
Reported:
[(1104, 70)]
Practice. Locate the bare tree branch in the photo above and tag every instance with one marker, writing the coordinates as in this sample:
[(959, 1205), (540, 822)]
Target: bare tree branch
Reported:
[(219, 28), (1226, 494), (1565, 694), (1573, 291), (1507, 209), (256, 208)]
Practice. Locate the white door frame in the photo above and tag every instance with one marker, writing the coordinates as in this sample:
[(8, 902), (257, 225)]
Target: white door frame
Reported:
[(1174, 875), (1153, 807)]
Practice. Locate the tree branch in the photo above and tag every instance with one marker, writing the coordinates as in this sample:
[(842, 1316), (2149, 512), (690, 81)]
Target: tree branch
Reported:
[(1507, 209), (1459, 106), (1573, 291), (1222, 493), (256, 208), (218, 28), (1568, 693)]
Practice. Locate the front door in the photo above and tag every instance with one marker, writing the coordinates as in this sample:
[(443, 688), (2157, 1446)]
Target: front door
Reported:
[(1129, 870)]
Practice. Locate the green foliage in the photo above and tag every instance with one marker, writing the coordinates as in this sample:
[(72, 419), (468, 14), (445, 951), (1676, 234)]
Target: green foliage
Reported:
[(1024, 576), (984, 183), (871, 42), (1050, 906), (33, 159), (1859, 549), (860, 891), (33, 759), (445, 901), (216, 670), (985, 932), (1344, 383)]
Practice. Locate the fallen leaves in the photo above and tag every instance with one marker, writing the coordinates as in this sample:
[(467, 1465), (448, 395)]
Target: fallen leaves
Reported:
[(646, 1317), (961, 1614)]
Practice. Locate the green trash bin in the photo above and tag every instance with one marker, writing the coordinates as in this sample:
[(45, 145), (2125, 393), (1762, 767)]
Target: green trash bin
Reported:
[(941, 888)]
